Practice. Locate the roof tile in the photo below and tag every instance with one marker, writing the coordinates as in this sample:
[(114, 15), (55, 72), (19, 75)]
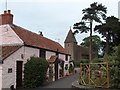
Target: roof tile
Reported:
[(35, 40), (8, 50)]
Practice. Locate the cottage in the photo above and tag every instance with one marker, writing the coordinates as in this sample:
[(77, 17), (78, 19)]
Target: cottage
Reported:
[(17, 45)]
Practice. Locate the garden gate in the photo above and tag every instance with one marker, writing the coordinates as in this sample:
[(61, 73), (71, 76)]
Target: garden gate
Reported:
[(94, 74)]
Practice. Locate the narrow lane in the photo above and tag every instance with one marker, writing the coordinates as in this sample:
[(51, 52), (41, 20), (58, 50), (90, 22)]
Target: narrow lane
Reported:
[(65, 82)]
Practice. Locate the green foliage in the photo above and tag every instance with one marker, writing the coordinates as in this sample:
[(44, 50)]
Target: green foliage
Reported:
[(111, 31), (96, 43), (114, 67), (35, 72), (66, 66), (97, 60), (77, 63), (95, 12), (71, 68), (97, 75), (84, 61)]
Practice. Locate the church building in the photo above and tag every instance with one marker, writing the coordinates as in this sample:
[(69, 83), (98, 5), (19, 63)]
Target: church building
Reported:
[(76, 51)]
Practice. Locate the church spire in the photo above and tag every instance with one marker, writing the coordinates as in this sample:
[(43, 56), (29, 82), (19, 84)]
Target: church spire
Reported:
[(70, 37)]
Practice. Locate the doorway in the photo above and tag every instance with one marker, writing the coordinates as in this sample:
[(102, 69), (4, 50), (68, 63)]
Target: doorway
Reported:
[(19, 66)]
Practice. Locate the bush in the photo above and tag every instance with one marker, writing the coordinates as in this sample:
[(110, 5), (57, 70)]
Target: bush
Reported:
[(66, 66), (35, 72), (77, 63), (114, 67), (84, 61), (71, 68), (97, 60)]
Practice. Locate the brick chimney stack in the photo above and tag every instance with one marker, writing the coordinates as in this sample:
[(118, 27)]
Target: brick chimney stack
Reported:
[(6, 18)]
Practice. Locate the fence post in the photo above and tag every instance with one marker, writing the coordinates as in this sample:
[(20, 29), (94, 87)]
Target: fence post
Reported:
[(107, 75), (89, 73), (80, 72)]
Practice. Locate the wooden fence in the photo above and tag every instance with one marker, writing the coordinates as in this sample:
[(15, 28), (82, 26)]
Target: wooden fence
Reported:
[(94, 74)]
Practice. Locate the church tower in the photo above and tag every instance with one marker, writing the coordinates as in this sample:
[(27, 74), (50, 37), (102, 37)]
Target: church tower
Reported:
[(71, 45)]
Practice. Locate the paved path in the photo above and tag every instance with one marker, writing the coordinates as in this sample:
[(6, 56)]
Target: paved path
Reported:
[(65, 82)]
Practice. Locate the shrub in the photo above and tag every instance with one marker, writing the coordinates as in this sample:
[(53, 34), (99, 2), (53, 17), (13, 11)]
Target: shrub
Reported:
[(97, 60), (114, 67), (66, 66), (84, 61), (35, 72), (71, 68), (77, 63)]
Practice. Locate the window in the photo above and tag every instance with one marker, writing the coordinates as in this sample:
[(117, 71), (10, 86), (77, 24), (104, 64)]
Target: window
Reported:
[(9, 70), (42, 53)]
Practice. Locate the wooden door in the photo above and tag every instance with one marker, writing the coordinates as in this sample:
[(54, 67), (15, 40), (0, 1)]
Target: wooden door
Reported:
[(19, 73), (56, 71)]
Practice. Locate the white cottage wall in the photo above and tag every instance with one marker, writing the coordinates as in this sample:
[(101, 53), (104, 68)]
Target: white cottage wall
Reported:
[(61, 56), (10, 62), (9, 79), (66, 62), (49, 54), (0, 77), (8, 36), (29, 52)]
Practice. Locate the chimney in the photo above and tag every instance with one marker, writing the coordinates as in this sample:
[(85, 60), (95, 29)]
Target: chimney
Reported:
[(40, 33), (6, 18)]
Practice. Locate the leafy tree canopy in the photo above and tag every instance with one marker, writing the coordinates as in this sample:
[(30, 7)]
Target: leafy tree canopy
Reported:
[(95, 12), (111, 31), (96, 43)]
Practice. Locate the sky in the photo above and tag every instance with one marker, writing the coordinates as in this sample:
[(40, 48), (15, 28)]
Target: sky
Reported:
[(53, 17)]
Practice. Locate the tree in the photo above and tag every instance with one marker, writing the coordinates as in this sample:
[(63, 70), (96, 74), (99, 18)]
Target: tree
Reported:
[(114, 67), (111, 31), (35, 72), (96, 43), (95, 12)]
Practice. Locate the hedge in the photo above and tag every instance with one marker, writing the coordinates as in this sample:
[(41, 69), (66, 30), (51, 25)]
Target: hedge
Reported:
[(35, 72)]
